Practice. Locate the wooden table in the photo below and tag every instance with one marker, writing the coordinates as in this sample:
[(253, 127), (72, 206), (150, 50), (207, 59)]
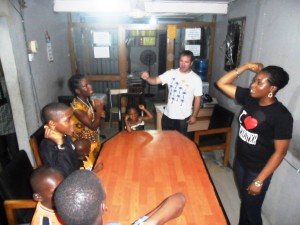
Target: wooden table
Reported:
[(144, 167)]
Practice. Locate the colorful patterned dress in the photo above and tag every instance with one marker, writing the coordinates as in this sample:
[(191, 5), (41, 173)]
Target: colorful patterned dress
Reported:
[(81, 131)]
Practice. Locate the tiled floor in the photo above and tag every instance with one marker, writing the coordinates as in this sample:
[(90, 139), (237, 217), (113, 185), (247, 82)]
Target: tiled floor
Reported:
[(223, 180)]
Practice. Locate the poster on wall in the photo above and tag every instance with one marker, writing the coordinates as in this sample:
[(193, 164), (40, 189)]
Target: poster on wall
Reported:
[(195, 49), (101, 52), (101, 38), (192, 34)]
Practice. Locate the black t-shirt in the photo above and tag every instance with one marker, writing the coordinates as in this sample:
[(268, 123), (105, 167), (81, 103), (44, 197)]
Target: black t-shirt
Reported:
[(65, 160), (259, 127)]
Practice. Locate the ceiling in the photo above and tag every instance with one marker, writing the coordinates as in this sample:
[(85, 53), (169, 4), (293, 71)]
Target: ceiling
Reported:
[(180, 8), (162, 10)]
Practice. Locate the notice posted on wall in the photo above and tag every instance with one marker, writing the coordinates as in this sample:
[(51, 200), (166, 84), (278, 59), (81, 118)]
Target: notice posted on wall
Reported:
[(101, 52), (101, 38), (192, 34), (195, 49)]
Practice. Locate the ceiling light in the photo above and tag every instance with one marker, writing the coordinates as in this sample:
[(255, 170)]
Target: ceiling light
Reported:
[(152, 20), (186, 7), (92, 6)]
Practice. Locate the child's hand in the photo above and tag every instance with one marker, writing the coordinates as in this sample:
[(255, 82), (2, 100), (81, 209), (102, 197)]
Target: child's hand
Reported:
[(53, 135), (126, 117), (141, 107)]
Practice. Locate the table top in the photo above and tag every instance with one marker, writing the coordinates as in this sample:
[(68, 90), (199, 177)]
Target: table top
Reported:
[(144, 167)]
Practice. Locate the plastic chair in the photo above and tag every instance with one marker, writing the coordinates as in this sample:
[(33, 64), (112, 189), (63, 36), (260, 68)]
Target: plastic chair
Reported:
[(15, 190), (35, 141), (218, 134), (115, 102)]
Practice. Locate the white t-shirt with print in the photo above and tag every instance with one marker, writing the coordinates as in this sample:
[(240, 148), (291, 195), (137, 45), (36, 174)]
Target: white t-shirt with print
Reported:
[(183, 87)]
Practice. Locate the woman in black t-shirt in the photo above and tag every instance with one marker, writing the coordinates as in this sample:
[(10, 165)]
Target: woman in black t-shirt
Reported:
[(265, 130)]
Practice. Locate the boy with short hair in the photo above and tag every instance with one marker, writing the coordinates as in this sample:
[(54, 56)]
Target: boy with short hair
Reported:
[(83, 148), (44, 181), (88, 202), (57, 148)]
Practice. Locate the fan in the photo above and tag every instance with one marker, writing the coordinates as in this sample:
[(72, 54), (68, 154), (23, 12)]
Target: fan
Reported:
[(148, 58)]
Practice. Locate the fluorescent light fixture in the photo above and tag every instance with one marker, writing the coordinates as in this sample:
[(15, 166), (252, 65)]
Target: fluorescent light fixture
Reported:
[(152, 20), (186, 7), (105, 6)]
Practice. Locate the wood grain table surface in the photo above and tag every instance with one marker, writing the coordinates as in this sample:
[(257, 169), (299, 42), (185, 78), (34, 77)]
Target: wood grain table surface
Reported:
[(144, 167)]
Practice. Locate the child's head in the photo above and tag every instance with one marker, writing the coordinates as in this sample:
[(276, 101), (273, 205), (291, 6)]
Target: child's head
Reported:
[(79, 85), (82, 148), (133, 113), (80, 199), (58, 117), (44, 181)]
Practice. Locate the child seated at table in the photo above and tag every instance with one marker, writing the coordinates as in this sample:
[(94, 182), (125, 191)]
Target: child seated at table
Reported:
[(88, 202), (83, 148), (132, 119), (44, 181), (57, 148)]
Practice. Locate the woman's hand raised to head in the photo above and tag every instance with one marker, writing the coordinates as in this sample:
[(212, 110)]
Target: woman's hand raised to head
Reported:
[(255, 67)]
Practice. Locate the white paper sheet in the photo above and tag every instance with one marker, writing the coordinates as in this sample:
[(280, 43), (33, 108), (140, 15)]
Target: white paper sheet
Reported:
[(101, 52)]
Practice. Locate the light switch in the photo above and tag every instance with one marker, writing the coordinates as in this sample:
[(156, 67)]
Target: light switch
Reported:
[(33, 46)]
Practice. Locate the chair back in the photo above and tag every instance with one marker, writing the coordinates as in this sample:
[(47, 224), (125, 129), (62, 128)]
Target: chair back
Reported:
[(35, 141), (14, 184), (66, 99), (220, 118), (115, 92)]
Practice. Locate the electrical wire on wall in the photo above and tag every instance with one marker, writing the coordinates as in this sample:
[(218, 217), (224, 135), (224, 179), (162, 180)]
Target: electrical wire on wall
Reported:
[(294, 167), (22, 5)]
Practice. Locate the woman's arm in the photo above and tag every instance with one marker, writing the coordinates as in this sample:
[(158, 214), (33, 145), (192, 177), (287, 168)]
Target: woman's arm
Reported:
[(83, 116), (225, 82), (281, 147)]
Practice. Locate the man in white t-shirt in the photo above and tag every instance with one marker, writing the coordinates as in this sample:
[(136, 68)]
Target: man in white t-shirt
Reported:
[(185, 87)]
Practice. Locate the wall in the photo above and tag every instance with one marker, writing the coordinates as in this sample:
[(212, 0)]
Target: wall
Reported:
[(272, 30), (32, 85)]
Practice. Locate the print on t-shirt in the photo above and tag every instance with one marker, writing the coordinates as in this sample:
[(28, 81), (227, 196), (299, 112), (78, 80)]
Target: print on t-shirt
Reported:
[(178, 91), (250, 123)]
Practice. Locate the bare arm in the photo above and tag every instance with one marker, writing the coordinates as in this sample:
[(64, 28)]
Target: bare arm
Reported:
[(197, 104), (127, 123), (150, 80), (83, 116), (53, 135), (225, 82), (148, 116), (167, 210), (281, 147)]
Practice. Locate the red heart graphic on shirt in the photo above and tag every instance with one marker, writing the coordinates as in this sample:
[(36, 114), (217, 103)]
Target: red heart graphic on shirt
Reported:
[(250, 122)]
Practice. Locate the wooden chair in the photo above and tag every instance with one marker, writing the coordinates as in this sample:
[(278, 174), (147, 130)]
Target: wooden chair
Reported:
[(35, 141), (114, 102), (15, 190), (12, 205), (218, 134)]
